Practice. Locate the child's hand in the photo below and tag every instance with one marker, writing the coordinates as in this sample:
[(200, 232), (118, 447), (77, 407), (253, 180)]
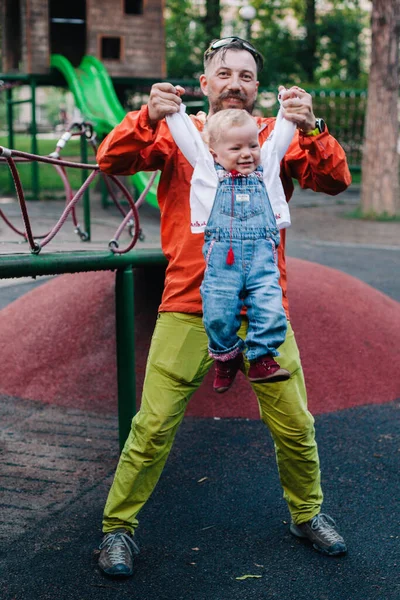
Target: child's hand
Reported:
[(297, 107)]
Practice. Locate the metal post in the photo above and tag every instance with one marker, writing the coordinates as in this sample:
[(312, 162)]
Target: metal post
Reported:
[(10, 122), (34, 144), (248, 30), (125, 338), (10, 117), (86, 197)]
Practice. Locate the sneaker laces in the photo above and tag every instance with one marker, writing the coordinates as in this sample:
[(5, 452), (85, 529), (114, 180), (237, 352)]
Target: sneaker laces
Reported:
[(269, 364), (326, 526), (117, 544)]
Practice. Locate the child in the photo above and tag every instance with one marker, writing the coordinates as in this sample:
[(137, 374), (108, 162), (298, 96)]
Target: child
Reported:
[(241, 236)]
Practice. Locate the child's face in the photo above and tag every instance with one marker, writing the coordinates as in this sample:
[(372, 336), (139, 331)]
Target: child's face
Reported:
[(238, 149)]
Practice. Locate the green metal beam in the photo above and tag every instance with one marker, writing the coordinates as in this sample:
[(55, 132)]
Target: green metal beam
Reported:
[(31, 265), (22, 265), (125, 343), (10, 124), (34, 144)]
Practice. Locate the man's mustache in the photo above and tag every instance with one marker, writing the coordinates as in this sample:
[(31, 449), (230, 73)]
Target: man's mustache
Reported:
[(235, 95)]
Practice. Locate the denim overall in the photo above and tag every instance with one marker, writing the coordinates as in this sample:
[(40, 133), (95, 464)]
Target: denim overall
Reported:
[(245, 222)]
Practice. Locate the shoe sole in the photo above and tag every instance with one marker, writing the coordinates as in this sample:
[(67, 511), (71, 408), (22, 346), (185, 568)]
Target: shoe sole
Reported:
[(117, 574), (272, 379), (297, 533)]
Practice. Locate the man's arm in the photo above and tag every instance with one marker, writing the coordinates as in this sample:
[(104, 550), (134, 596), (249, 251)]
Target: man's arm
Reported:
[(141, 141), (318, 162)]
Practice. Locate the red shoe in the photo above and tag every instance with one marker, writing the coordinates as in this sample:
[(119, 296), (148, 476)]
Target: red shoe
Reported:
[(225, 373), (266, 370)]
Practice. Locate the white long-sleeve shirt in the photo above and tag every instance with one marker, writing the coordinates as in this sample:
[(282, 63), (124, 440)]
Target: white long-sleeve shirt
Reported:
[(204, 180)]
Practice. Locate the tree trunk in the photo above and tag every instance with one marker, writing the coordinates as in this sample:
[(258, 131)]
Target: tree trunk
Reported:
[(212, 20), (311, 41), (380, 191)]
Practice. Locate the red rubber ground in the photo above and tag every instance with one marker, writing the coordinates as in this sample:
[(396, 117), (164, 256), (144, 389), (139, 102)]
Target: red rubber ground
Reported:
[(58, 343)]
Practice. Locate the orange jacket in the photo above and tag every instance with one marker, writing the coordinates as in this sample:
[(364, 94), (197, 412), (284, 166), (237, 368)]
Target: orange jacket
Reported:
[(318, 163)]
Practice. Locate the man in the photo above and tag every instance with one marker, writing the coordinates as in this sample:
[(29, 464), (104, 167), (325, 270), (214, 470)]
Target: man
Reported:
[(178, 358)]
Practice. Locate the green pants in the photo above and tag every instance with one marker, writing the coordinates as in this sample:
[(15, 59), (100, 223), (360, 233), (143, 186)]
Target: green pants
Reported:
[(177, 363)]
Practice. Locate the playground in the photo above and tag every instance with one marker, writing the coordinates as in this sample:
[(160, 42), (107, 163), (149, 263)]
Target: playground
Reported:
[(61, 450), (80, 284)]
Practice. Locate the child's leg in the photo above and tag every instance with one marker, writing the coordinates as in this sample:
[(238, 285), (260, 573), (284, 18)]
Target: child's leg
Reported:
[(267, 319), (220, 292)]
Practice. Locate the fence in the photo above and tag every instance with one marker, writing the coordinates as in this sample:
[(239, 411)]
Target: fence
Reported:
[(343, 111)]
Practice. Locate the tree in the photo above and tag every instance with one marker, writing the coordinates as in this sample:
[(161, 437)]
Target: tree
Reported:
[(380, 191), (310, 40), (188, 31), (301, 43), (185, 39), (282, 48), (212, 20), (341, 47)]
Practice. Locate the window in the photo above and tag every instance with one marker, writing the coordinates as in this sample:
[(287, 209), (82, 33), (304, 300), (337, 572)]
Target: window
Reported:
[(133, 7), (111, 48)]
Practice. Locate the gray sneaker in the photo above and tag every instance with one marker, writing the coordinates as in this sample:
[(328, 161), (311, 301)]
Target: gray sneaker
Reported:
[(321, 532), (116, 553)]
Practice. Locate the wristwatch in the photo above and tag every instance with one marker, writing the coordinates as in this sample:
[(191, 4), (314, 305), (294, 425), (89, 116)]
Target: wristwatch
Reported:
[(319, 127)]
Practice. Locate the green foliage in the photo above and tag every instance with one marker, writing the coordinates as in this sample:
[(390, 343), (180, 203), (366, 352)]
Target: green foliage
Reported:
[(185, 39), (280, 32), (340, 46)]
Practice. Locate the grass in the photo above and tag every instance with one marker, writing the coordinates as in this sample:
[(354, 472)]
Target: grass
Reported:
[(384, 217), (356, 176), (49, 180), (23, 143)]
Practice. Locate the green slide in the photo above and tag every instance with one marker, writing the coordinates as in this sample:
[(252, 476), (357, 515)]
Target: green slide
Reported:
[(95, 97)]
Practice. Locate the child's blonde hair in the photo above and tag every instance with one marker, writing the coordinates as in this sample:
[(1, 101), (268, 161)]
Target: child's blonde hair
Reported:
[(223, 120)]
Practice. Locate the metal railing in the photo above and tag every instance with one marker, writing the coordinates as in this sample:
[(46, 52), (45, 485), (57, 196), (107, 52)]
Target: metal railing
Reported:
[(19, 265), (122, 261), (343, 110)]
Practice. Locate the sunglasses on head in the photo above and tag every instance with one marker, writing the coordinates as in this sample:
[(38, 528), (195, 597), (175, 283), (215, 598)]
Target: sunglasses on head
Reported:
[(242, 44)]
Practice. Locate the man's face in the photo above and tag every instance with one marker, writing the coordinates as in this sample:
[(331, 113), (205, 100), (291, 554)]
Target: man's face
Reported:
[(230, 81), (238, 149)]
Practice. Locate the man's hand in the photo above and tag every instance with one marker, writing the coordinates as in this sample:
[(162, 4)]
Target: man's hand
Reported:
[(297, 107), (164, 100)]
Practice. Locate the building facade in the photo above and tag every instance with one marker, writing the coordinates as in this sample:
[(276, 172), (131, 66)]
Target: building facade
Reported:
[(126, 35)]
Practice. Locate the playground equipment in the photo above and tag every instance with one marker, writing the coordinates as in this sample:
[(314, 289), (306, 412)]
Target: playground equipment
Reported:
[(117, 35), (121, 260), (85, 131), (95, 97)]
